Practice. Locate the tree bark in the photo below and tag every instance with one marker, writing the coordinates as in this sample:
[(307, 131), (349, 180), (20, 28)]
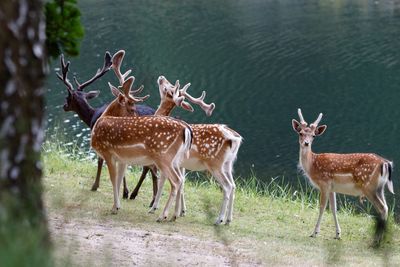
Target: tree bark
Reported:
[(23, 68)]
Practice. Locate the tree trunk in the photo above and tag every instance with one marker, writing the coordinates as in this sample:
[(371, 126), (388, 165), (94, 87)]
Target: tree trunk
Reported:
[(23, 67)]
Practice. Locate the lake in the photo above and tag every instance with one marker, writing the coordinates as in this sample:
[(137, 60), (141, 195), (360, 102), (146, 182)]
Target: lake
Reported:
[(258, 61)]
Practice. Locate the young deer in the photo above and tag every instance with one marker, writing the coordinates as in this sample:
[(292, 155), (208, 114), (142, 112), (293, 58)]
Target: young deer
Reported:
[(77, 101), (214, 148), (351, 174), (143, 140)]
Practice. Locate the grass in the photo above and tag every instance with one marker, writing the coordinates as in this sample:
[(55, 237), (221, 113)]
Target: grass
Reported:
[(272, 220)]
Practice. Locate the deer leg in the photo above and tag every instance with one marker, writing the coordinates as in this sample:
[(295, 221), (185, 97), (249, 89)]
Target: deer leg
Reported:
[(379, 205), (178, 174), (126, 191), (381, 195), (96, 183), (139, 184), (154, 177), (119, 175), (232, 196), (332, 204), (323, 201), (382, 210), (175, 182), (227, 187), (112, 169), (181, 192), (160, 186)]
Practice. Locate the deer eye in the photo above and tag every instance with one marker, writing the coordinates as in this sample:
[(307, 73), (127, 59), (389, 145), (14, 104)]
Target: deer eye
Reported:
[(300, 134)]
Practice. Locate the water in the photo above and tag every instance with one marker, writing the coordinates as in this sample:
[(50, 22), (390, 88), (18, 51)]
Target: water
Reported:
[(259, 61)]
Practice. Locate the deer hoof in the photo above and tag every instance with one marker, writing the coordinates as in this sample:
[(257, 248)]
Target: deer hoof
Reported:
[(152, 210), (162, 219), (228, 222), (151, 203), (337, 237), (94, 187), (314, 235), (125, 195), (219, 221), (133, 195), (114, 210), (173, 219), (183, 213)]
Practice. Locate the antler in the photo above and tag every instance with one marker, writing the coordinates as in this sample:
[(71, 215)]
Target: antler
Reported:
[(126, 88), (177, 99), (64, 71), (208, 108), (316, 122), (116, 66), (80, 87), (100, 72), (302, 121)]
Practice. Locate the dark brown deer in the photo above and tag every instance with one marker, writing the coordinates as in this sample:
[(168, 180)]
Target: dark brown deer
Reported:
[(77, 101)]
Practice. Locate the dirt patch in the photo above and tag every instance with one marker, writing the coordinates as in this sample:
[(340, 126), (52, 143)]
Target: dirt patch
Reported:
[(89, 242)]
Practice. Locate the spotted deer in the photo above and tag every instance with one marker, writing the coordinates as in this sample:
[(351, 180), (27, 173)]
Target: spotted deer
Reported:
[(77, 101), (358, 174), (141, 140), (129, 108), (214, 148)]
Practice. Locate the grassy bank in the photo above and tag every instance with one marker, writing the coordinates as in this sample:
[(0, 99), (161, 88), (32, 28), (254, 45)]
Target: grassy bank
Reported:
[(271, 221)]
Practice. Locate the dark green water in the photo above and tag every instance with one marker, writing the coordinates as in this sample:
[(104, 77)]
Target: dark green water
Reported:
[(259, 61)]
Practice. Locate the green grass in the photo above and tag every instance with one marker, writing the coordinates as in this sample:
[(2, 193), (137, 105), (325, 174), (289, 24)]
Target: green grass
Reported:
[(271, 219)]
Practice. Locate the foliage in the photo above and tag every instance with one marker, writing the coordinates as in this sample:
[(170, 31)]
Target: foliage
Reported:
[(64, 29), (21, 244)]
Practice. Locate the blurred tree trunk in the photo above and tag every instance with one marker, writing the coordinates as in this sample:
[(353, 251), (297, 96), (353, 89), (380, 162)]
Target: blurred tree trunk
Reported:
[(23, 67)]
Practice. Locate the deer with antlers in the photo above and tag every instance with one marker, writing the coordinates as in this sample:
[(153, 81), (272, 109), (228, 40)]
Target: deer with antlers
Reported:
[(141, 140), (214, 148), (359, 174), (77, 101)]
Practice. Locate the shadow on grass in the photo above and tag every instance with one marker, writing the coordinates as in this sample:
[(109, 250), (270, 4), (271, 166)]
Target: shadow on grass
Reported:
[(334, 252), (219, 231)]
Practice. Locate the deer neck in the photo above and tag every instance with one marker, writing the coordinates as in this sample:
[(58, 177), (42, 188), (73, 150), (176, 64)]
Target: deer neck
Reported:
[(112, 110), (165, 108), (85, 112), (306, 158)]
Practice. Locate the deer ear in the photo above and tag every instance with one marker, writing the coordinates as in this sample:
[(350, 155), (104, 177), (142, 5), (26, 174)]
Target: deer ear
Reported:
[(187, 106), (92, 94), (320, 130), (114, 90), (121, 99), (296, 126)]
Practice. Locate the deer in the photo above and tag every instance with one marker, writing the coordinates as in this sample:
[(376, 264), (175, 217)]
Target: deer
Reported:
[(141, 140), (77, 101), (358, 174), (216, 153), (214, 148)]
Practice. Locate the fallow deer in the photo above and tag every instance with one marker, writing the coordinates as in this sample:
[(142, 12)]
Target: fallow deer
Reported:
[(77, 101), (359, 174), (214, 148), (142, 140)]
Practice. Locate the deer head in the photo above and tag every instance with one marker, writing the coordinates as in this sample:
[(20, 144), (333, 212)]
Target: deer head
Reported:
[(77, 98), (307, 133), (174, 94), (126, 99)]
